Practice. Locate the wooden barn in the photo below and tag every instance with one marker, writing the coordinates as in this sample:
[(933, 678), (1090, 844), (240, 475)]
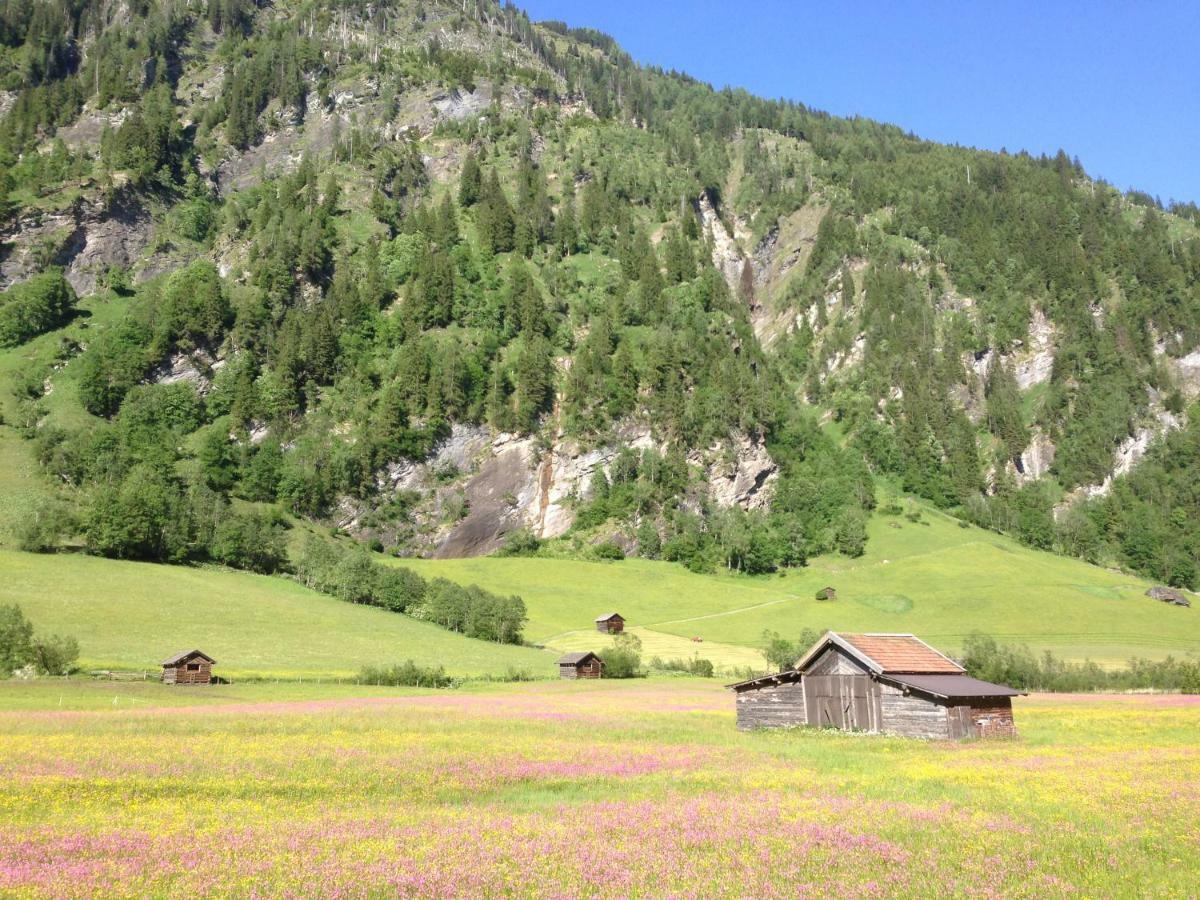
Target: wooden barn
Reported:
[(827, 593), (892, 683), (189, 667), (580, 665), (610, 623)]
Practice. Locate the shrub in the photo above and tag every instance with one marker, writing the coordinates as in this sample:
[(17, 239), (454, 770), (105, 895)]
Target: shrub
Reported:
[(624, 660), (406, 674), (251, 541), (19, 647), (41, 530), (38, 305), (608, 550), (521, 542), (693, 666)]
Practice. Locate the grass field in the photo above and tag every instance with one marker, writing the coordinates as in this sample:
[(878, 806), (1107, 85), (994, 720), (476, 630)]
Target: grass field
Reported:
[(557, 789), (133, 615), (933, 578)]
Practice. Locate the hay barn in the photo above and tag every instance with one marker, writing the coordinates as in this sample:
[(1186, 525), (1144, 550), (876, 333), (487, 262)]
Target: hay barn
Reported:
[(189, 667), (827, 593), (610, 623), (580, 665), (892, 683)]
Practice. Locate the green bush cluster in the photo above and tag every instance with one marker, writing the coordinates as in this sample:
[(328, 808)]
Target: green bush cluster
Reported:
[(20, 647), (355, 577), (1017, 666)]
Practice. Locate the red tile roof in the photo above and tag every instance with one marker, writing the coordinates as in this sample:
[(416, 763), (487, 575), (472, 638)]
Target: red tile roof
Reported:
[(901, 653)]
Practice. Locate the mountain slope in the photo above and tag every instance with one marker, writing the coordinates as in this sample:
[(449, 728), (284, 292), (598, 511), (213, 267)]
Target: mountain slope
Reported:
[(445, 279)]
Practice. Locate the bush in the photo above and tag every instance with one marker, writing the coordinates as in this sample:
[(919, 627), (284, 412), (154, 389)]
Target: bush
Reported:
[(693, 666), (608, 550), (55, 655), (19, 648), (250, 541), (41, 530), (1017, 666), (406, 674), (521, 542), (38, 305), (624, 660)]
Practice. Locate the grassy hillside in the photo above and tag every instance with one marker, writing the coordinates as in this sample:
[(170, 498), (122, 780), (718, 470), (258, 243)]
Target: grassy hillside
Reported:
[(933, 578), (133, 615)]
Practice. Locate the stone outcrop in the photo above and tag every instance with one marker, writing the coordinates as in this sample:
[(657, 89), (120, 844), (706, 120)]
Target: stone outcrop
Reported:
[(84, 239), (476, 488)]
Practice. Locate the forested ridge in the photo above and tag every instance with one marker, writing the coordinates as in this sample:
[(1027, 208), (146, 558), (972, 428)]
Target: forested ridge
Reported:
[(446, 280)]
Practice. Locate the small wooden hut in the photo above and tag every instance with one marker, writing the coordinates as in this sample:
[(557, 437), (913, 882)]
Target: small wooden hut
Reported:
[(610, 623), (893, 683), (189, 667), (580, 665), (827, 593)]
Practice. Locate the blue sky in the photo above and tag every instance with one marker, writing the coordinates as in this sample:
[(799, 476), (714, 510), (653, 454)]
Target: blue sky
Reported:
[(1116, 84)]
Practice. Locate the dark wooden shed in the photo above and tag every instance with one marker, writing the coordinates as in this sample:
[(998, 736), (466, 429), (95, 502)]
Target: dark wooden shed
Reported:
[(580, 665), (189, 667), (827, 593), (610, 623), (892, 683)]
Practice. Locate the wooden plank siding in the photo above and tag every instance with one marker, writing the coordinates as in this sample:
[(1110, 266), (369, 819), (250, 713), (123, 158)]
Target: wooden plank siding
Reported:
[(912, 716), (776, 706)]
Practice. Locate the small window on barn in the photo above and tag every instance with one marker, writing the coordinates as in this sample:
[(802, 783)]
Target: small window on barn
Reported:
[(193, 667)]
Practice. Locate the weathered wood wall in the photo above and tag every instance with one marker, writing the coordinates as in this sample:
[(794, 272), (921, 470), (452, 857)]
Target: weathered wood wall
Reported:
[(180, 674), (993, 718), (911, 715), (772, 706), (615, 626), (589, 669)]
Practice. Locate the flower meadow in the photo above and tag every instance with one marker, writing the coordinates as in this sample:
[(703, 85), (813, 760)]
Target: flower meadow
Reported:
[(569, 789)]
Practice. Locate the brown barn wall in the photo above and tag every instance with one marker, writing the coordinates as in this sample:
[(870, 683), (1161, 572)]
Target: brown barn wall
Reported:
[(590, 669), (993, 718), (180, 674), (772, 706), (912, 716), (567, 672)]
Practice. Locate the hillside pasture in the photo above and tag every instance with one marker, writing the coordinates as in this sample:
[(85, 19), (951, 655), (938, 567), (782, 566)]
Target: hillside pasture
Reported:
[(932, 577), (370, 792), (129, 615)]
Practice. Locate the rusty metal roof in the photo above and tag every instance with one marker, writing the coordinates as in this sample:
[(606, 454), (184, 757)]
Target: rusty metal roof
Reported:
[(607, 616), (951, 687), (884, 653), (574, 659), (186, 655), (899, 653)]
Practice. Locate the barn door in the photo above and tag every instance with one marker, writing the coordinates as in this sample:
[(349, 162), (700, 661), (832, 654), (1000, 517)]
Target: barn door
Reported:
[(856, 702), (961, 725)]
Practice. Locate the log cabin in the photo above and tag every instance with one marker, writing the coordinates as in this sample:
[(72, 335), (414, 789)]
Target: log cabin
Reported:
[(580, 665), (890, 683), (188, 667), (610, 623)]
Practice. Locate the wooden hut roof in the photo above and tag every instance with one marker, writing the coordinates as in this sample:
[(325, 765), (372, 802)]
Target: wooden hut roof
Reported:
[(183, 657), (774, 678), (607, 616), (952, 687), (886, 653), (575, 659)]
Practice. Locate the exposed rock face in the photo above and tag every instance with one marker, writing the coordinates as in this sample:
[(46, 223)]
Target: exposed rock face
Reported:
[(1187, 372), (1035, 361), (85, 239), (459, 105), (197, 367), (505, 483), (727, 256), (1130, 451), (1036, 459)]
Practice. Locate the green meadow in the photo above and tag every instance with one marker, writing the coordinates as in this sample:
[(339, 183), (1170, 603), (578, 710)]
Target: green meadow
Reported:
[(933, 578), (131, 615), (285, 790)]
